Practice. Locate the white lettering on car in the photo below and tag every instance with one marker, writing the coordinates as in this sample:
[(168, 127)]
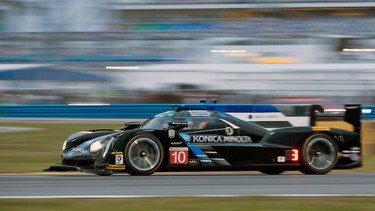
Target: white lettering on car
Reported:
[(221, 139)]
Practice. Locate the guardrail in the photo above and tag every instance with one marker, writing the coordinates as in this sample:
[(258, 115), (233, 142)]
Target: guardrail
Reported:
[(88, 58), (126, 110), (84, 110), (368, 112), (267, 115)]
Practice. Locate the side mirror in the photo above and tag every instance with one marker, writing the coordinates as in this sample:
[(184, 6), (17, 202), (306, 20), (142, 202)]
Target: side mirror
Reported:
[(178, 125)]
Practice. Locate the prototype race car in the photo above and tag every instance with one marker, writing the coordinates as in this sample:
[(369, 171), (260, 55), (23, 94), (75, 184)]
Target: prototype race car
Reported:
[(201, 137)]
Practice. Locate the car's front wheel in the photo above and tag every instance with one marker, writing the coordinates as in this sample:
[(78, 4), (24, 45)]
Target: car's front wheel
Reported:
[(319, 154), (143, 154)]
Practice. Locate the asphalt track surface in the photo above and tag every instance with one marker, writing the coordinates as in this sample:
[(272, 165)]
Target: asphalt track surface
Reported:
[(185, 184)]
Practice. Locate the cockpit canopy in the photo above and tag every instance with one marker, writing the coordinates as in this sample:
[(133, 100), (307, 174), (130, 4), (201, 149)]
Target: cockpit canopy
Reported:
[(203, 120)]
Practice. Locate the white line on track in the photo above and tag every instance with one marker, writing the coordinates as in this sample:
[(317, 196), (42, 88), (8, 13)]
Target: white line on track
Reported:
[(175, 196)]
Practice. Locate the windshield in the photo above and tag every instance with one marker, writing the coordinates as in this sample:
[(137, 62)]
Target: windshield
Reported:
[(156, 124)]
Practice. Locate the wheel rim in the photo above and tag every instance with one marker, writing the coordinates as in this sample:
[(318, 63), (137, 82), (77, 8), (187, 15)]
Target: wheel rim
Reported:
[(320, 153), (144, 154)]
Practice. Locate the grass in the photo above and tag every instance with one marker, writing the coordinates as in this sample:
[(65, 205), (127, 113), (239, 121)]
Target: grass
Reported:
[(194, 203), (34, 151)]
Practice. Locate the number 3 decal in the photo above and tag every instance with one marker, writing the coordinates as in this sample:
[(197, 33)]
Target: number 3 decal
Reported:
[(178, 155)]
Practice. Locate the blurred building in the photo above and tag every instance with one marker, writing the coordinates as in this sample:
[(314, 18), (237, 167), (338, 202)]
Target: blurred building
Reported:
[(236, 50)]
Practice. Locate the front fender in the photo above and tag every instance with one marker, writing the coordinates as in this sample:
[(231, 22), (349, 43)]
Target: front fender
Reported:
[(115, 146), (113, 154), (78, 138)]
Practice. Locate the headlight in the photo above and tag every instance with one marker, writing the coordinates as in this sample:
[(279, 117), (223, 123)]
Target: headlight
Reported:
[(96, 146), (64, 145)]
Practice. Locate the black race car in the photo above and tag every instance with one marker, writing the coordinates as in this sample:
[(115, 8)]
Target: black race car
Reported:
[(200, 137)]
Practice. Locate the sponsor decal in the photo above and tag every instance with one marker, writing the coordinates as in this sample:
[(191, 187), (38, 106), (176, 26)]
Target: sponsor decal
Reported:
[(221, 139), (115, 167), (199, 113), (179, 155), (193, 162), (229, 131), (119, 159), (116, 153), (354, 153), (355, 157), (281, 159), (176, 143), (171, 133), (78, 149)]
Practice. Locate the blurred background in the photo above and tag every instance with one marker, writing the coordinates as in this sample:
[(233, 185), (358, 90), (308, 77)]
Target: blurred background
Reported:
[(173, 51)]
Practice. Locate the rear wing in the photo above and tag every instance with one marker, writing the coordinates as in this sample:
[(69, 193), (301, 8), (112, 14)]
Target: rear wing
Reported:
[(353, 116), (348, 118)]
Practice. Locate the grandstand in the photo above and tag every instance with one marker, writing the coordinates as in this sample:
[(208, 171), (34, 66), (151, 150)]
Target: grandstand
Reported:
[(87, 35)]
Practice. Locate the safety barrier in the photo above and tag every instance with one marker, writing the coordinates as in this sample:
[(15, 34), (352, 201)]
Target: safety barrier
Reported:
[(127, 110), (368, 112), (84, 110)]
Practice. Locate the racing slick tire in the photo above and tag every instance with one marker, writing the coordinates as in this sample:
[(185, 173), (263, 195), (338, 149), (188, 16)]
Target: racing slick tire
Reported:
[(319, 154), (144, 154), (272, 171)]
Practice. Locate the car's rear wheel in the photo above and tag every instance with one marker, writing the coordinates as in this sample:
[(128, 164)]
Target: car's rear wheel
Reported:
[(143, 154), (319, 154)]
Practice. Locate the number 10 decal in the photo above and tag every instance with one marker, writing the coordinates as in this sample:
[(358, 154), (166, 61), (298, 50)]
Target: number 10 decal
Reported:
[(178, 155)]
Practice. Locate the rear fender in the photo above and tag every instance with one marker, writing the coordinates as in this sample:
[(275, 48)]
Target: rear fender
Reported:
[(291, 137)]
